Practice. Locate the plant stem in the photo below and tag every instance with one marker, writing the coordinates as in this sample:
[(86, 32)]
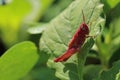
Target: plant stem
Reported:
[(81, 62), (82, 55)]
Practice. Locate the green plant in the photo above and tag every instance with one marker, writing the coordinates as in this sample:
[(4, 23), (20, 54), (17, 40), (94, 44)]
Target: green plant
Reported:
[(98, 58), (60, 30)]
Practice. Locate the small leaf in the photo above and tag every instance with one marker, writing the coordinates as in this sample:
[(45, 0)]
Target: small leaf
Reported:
[(37, 28), (111, 73), (18, 61), (115, 34), (118, 76), (113, 3)]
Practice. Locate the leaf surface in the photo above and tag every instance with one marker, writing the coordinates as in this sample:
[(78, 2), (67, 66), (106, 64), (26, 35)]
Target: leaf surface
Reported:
[(111, 74), (60, 30), (18, 61)]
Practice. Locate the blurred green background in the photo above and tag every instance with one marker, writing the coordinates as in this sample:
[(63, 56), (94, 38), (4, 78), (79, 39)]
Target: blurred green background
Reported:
[(22, 20), (16, 16)]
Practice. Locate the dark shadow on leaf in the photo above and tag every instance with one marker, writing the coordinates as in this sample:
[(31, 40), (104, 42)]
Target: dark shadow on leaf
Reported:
[(72, 68), (113, 14), (40, 70), (115, 57)]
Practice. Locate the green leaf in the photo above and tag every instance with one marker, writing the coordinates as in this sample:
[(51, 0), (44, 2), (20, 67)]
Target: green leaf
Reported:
[(41, 73), (111, 73), (115, 57), (14, 13), (11, 16), (111, 43), (115, 38), (94, 69), (112, 3), (37, 28), (118, 76), (40, 70), (18, 61), (38, 9), (60, 30), (55, 9)]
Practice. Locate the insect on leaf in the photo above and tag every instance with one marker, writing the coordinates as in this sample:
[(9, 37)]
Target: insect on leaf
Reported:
[(60, 30)]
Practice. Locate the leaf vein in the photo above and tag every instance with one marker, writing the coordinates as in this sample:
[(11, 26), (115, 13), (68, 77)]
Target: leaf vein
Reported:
[(59, 36), (47, 46)]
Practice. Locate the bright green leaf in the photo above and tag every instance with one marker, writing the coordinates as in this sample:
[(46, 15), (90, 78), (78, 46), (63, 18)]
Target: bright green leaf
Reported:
[(15, 12), (11, 16), (18, 61), (60, 30), (115, 38), (113, 3), (118, 76)]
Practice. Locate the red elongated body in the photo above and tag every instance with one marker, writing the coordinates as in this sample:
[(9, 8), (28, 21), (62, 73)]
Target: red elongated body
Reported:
[(76, 42)]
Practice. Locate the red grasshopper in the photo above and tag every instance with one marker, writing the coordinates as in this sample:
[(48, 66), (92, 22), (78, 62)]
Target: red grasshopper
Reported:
[(76, 42)]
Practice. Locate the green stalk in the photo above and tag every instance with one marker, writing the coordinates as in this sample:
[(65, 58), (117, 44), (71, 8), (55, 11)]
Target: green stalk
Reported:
[(82, 55), (103, 53), (81, 62)]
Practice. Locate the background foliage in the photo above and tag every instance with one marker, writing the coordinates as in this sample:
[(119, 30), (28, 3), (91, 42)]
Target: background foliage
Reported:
[(34, 32)]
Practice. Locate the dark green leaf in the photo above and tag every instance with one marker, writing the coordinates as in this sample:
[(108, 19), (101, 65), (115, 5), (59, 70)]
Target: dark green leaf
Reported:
[(92, 72), (111, 43), (57, 7), (41, 73), (111, 73)]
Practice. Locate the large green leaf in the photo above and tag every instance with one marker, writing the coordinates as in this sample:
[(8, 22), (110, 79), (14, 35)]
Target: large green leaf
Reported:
[(18, 61), (61, 29)]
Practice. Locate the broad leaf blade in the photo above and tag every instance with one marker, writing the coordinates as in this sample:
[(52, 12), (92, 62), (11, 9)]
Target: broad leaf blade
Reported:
[(56, 36), (18, 61)]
